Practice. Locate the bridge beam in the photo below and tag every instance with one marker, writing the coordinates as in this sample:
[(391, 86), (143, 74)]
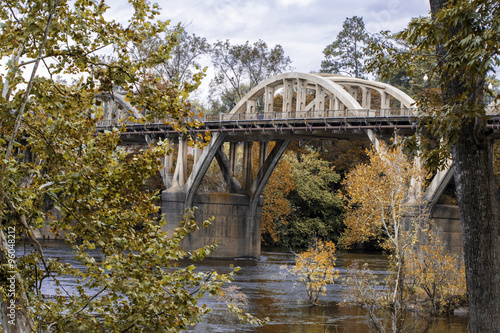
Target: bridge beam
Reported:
[(247, 172), (232, 158), (262, 153), (301, 95), (180, 173), (200, 168), (231, 182), (438, 185), (265, 171)]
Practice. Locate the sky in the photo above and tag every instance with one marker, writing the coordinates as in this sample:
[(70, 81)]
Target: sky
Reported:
[(302, 27)]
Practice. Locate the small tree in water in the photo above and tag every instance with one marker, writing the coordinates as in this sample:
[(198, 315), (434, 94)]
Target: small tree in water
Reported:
[(315, 269), (379, 196)]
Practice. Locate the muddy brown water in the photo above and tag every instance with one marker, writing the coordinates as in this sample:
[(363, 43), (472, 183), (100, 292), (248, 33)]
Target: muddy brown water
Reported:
[(275, 295), (272, 293)]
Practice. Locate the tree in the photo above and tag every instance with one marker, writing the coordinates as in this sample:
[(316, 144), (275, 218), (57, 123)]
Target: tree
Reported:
[(347, 53), (438, 276), (277, 208), (227, 99), (315, 268), (423, 276), (344, 155), (184, 50), (410, 77), (51, 155), (376, 195), (300, 201), (317, 208), (463, 38), (239, 68), (434, 284)]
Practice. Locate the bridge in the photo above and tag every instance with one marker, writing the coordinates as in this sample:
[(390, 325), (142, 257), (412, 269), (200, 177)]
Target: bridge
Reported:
[(312, 107)]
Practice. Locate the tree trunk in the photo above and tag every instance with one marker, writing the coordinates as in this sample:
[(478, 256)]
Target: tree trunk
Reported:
[(14, 313), (480, 220), (477, 197)]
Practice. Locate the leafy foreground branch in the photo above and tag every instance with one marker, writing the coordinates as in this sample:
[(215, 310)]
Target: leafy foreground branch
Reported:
[(99, 200), (56, 170)]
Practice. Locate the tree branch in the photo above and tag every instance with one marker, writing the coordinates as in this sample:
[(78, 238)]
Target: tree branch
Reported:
[(20, 113)]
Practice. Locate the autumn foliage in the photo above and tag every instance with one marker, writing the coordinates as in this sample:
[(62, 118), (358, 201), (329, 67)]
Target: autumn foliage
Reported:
[(383, 204), (315, 269), (437, 275), (300, 202), (376, 196), (277, 208)]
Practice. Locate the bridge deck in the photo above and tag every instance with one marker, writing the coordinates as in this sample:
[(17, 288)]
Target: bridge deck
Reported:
[(306, 125)]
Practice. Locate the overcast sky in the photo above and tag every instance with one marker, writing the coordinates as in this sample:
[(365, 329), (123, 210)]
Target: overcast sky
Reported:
[(303, 27)]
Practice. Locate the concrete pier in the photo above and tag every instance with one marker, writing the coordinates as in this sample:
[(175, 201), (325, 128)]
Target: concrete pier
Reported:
[(235, 228), (447, 219)]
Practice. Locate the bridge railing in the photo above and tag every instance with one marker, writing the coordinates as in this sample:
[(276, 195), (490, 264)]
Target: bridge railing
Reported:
[(493, 109), (114, 122), (297, 115), (311, 114)]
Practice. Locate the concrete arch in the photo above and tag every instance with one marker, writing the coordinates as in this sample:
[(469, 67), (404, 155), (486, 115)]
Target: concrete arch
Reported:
[(120, 100), (337, 88), (438, 185), (294, 80), (383, 88)]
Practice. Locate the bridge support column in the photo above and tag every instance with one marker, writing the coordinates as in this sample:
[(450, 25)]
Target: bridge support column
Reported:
[(262, 153), (367, 98), (235, 227), (238, 214), (385, 103), (301, 95), (166, 171), (319, 101), (180, 173), (269, 99), (232, 158), (446, 220), (287, 96), (247, 165)]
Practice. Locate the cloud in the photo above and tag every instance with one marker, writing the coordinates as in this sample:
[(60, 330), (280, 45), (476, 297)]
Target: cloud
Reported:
[(302, 3), (303, 27)]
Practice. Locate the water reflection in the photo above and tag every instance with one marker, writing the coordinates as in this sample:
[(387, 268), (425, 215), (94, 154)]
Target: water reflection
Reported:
[(273, 294)]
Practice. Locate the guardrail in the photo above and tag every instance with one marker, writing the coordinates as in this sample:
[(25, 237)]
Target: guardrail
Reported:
[(284, 115), (297, 115), (311, 114)]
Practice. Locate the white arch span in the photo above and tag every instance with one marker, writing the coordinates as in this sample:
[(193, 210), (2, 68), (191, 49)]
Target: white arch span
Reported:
[(340, 91)]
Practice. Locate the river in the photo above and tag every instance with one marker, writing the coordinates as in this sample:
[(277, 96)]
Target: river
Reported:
[(271, 293)]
